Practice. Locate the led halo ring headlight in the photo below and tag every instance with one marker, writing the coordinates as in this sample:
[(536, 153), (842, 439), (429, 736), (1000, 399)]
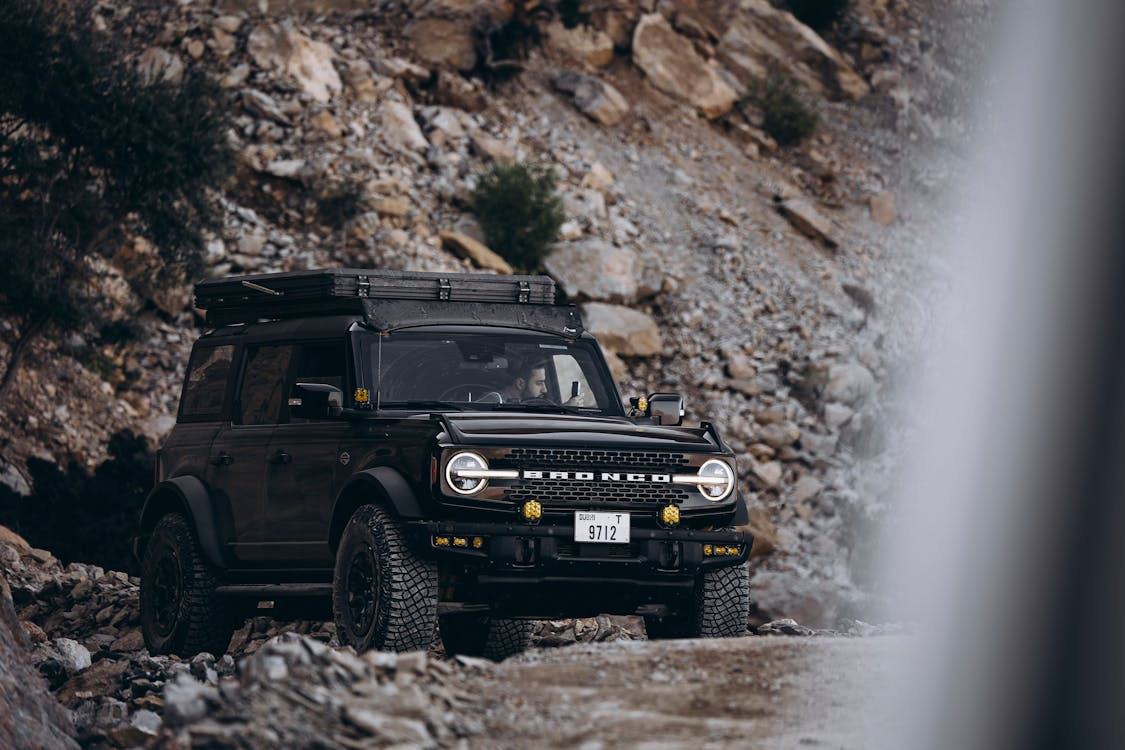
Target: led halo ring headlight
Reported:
[(461, 473), (719, 480)]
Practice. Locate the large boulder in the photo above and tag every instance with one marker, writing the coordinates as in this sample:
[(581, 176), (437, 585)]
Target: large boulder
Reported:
[(595, 270), (593, 97), (29, 715), (582, 43), (759, 36), (623, 330), (849, 383), (672, 64), (283, 48)]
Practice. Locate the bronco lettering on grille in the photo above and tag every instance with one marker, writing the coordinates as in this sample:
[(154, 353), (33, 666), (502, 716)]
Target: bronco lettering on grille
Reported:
[(601, 476)]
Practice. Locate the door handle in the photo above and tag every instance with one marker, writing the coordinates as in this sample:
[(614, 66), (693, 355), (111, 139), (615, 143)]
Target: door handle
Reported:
[(223, 459), (281, 458)]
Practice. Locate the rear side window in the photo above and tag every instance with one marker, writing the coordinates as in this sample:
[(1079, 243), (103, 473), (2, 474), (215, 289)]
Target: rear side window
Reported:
[(206, 385)]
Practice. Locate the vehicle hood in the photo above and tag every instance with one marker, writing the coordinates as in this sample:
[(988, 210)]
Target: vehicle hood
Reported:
[(567, 430)]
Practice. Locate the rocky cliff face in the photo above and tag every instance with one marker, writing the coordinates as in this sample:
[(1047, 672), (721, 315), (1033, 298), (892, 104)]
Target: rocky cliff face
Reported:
[(29, 715), (773, 287)]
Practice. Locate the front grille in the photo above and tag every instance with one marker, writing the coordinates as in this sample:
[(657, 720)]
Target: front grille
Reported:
[(586, 458), (578, 493), (554, 492)]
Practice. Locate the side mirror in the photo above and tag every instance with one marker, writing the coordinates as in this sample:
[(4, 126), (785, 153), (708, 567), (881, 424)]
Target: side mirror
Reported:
[(316, 401), (666, 408)]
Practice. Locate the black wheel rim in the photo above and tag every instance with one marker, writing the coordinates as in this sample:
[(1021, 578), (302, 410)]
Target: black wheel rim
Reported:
[(167, 590), (363, 594)]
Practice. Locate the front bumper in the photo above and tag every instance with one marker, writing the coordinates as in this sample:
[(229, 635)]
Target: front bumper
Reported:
[(539, 570)]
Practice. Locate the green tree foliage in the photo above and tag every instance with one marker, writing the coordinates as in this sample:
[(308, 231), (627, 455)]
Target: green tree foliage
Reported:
[(787, 117), (818, 14), (91, 154), (520, 211)]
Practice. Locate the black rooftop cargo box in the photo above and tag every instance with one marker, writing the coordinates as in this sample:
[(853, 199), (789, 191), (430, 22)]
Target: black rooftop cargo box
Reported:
[(240, 299)]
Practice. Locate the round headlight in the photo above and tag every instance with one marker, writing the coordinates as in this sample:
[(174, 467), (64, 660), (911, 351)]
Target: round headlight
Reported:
[(720, 480), (460, 473)]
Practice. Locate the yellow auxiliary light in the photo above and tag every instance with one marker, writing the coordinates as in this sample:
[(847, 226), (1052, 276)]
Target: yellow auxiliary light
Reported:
[(441, 541), (670, 515), (642, 403), (532, 510), (708, 549), (460, 541), (362, 396), (477, 542)]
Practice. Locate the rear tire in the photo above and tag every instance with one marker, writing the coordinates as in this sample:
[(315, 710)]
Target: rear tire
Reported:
[(384, 596), (180, 612), (491, 637)]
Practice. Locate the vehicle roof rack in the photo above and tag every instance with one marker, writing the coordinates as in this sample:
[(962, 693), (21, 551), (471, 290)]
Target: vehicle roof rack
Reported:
[(389, 299)]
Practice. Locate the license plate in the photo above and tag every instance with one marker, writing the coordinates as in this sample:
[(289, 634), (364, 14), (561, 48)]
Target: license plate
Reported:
[(604, 528)]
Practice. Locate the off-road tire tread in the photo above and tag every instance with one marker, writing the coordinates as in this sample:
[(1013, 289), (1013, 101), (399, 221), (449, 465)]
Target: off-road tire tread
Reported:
[(207, 623), (722, 602), (408, 587), (507, 638)]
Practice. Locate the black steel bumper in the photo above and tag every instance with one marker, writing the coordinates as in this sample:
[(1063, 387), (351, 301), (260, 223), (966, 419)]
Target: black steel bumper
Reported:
[(540, 570)]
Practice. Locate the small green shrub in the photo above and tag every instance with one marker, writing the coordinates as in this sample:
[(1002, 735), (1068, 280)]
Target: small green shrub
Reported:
[(788, 118), (520, 211), (818, 14)]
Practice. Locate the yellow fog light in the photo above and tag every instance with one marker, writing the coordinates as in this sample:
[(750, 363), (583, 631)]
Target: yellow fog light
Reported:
[(460, 541), (670, 515), (708, 549), (441, 541), (532, 510), (720, 550), (362, 396), (477, 542)]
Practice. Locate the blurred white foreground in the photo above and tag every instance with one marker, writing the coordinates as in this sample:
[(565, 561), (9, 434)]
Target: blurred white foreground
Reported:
[(1011, 560)]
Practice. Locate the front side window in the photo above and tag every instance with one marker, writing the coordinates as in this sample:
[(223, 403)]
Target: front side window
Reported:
[(205, 386), (320, 362), (488, 372)]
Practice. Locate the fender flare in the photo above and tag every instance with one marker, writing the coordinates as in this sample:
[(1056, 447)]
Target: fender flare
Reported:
[(382, 483), (741, 513), (186, 494)]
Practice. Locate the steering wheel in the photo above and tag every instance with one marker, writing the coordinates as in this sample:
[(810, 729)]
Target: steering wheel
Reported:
[(468, 392)]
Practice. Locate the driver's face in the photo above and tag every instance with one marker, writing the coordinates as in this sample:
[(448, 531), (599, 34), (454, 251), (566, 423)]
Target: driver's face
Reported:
[(536, 385)]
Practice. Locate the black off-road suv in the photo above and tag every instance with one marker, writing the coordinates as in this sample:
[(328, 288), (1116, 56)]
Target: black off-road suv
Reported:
[(422, 448)]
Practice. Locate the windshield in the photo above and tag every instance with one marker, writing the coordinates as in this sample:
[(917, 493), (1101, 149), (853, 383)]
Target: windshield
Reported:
[(498, 371)]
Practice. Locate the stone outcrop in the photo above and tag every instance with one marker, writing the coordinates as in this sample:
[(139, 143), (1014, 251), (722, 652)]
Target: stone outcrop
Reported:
[(582, 43), (283, 48), (480, 254), (672, 64), (623, 330), (29, 715), (593, 97), (595, 270), (759, 36)]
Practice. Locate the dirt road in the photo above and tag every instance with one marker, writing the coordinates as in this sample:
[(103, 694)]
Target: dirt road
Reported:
[(752, 692)]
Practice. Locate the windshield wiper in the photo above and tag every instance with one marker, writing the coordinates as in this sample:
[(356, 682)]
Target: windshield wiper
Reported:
[(422, 405), (546, 408)]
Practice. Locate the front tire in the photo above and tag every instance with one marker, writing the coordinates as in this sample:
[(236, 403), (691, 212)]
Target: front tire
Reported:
[(180, 611), (493, 638), (384, 596), (719, 609)]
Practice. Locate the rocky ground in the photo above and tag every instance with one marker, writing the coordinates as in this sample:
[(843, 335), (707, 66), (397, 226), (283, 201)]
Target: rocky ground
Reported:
[(290, 685)]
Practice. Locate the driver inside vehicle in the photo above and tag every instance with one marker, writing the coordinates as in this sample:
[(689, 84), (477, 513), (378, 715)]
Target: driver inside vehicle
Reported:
[(529, 381)]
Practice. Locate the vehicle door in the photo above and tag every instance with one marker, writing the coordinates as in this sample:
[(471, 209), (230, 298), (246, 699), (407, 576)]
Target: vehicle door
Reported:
[(303, 460), (186, 450), (239, 452)]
